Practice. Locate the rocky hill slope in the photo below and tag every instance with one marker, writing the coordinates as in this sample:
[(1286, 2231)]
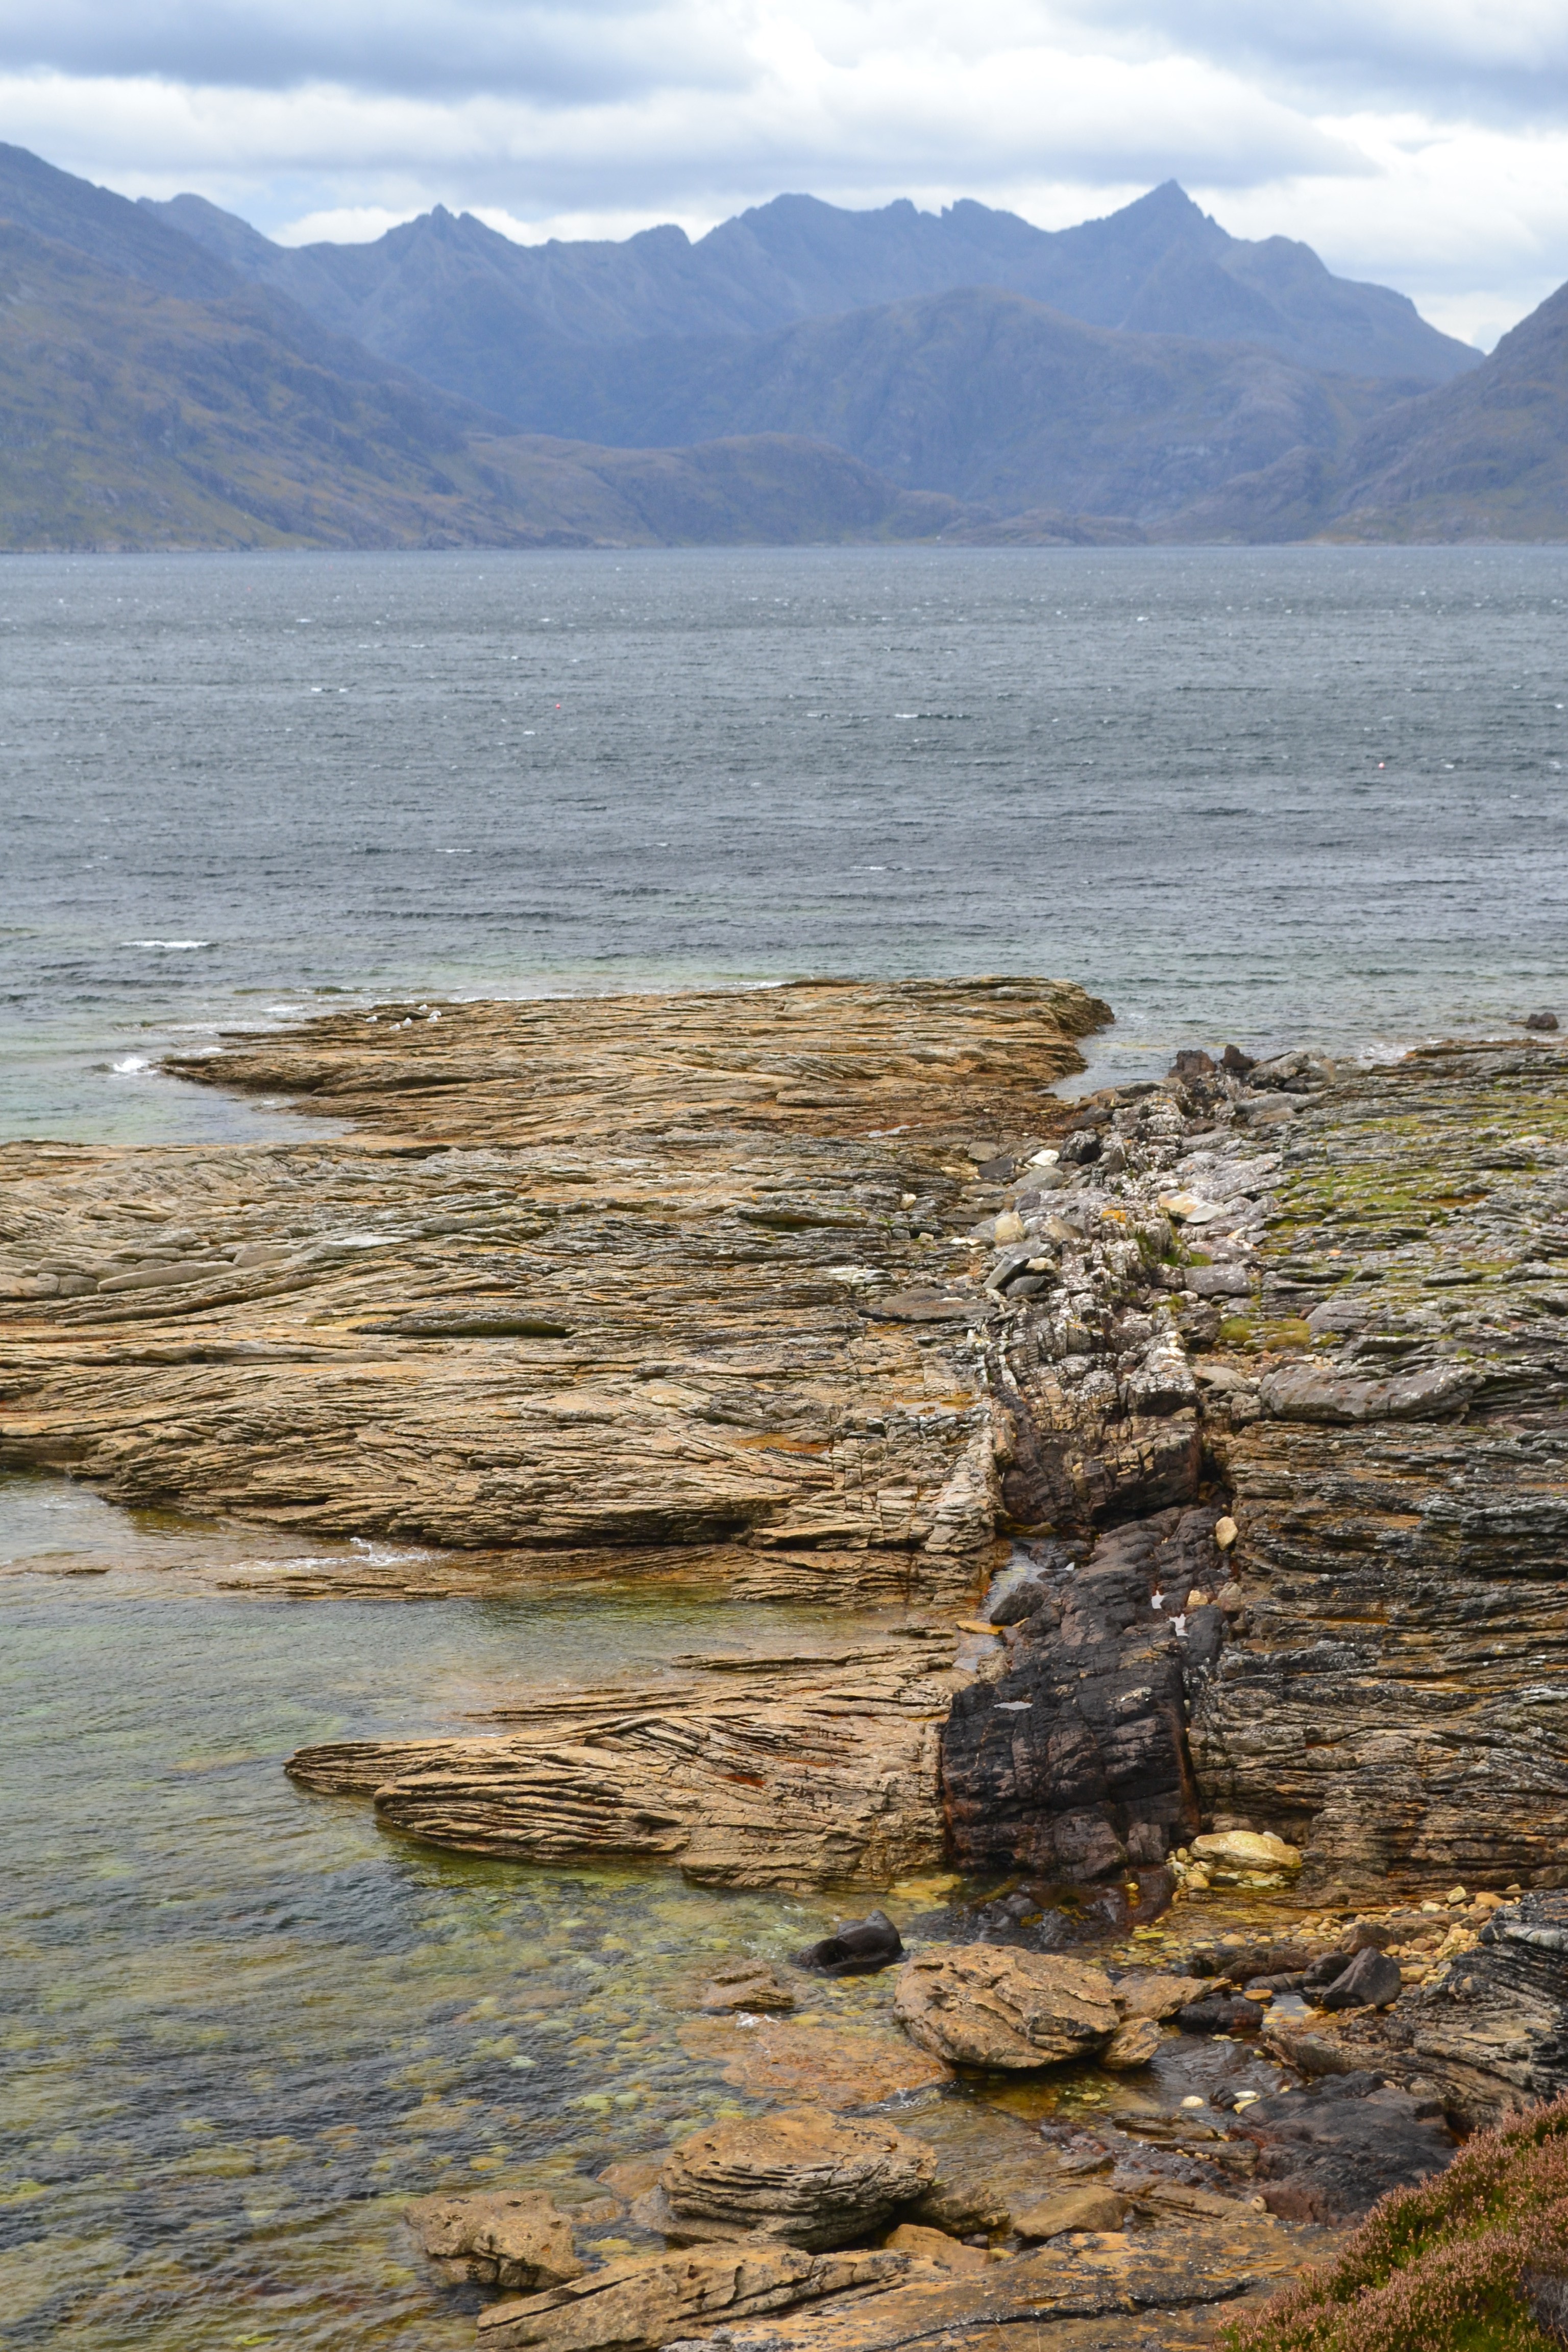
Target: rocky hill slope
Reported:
[(137, 417), (1484, 457)]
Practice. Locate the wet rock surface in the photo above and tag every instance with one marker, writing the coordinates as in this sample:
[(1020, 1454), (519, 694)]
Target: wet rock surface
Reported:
[(514, 2240), (1327, 2153)]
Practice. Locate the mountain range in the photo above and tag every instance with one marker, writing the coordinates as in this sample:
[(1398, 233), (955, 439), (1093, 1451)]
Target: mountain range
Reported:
[(502, 323), (168, 376)]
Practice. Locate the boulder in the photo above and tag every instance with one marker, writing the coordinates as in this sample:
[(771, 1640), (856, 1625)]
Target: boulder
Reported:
[(518, 2239), (1078, 2208), (801, 2175), (983, 2005), (856, 1948), (935, 2246), (1245, 1850), (1133, 2044), (1372, 1982), (1158, 1997), (748, 1984), (1221, 2014), (647, 2300)]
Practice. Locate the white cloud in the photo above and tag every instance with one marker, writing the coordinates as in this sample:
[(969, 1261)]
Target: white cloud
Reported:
[(1425, 146)]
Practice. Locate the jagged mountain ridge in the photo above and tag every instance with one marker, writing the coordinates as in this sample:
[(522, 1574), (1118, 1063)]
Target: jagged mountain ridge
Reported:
[(501, 324), (247, 420)]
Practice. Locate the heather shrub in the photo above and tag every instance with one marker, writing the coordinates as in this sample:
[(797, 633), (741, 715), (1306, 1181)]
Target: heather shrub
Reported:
[(1473, 2261)]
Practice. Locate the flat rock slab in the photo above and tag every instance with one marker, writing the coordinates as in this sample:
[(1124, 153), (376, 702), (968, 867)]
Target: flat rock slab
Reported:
[(586, 1274), (831, 2066), (747, 1770), (644, 2302), (1326, 2154), (1005, 2309), (984, 2005)]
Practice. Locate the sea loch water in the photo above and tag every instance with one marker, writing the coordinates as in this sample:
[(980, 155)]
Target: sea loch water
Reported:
[(1275, 795), (1288, 794)]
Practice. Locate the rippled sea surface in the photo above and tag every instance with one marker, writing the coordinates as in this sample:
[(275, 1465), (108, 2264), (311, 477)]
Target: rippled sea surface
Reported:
[(1272, 795)]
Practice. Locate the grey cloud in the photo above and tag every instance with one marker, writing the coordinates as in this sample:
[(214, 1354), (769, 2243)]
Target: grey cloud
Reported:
[(592, 51), (1500, 65)]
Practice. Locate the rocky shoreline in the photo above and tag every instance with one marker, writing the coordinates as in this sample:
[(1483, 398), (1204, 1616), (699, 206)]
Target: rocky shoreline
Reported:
[(1198, 1448)]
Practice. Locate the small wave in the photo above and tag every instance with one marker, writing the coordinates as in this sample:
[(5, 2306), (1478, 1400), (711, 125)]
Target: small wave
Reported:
[(165, 943), (128, 1066)]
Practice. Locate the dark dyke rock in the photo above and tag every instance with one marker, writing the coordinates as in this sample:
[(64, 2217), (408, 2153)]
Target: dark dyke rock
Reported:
[(1370, 1982), (856, 1950), (1324, 1972), (1075, 1760), (1326, 2154), (1020, 1600), (1221, 2014)]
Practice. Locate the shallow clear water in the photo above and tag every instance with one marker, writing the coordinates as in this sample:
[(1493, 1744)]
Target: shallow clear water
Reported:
[(1282, 794), (1273, 793), (240, 2024)]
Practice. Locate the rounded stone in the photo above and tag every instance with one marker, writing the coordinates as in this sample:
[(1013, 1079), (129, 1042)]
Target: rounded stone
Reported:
[(986, 2005)]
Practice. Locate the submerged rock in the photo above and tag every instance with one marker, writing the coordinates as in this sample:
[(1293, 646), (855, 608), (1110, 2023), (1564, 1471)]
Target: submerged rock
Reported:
[(507, 2239), (978, 2005), (748, 1984)]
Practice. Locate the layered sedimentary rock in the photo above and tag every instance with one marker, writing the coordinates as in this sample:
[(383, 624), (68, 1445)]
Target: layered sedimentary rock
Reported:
[(655, 1274), (1397, 1445), (746, 1770), (1263, 1375), (1362, 1280)]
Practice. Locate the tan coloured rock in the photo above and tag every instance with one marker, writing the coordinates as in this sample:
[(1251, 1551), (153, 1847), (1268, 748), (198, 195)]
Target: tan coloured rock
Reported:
[(748, 1984), (519, 2241), (824, 2065), (1078, 2208), (1045, 2298), (935, 2246), (820, 1767), (1158, 1997), (646, 2300), (588, 1274), (985, 2005), (1135, 2042), (1245, 1850), (801, 2175)]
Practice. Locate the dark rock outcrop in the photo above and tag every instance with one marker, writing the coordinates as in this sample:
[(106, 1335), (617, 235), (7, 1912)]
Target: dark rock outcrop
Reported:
[(1488, 2027), (1328, 2153), (1074, 1763)]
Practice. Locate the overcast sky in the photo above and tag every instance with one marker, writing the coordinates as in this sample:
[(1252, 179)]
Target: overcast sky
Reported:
[(1420, 142)]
